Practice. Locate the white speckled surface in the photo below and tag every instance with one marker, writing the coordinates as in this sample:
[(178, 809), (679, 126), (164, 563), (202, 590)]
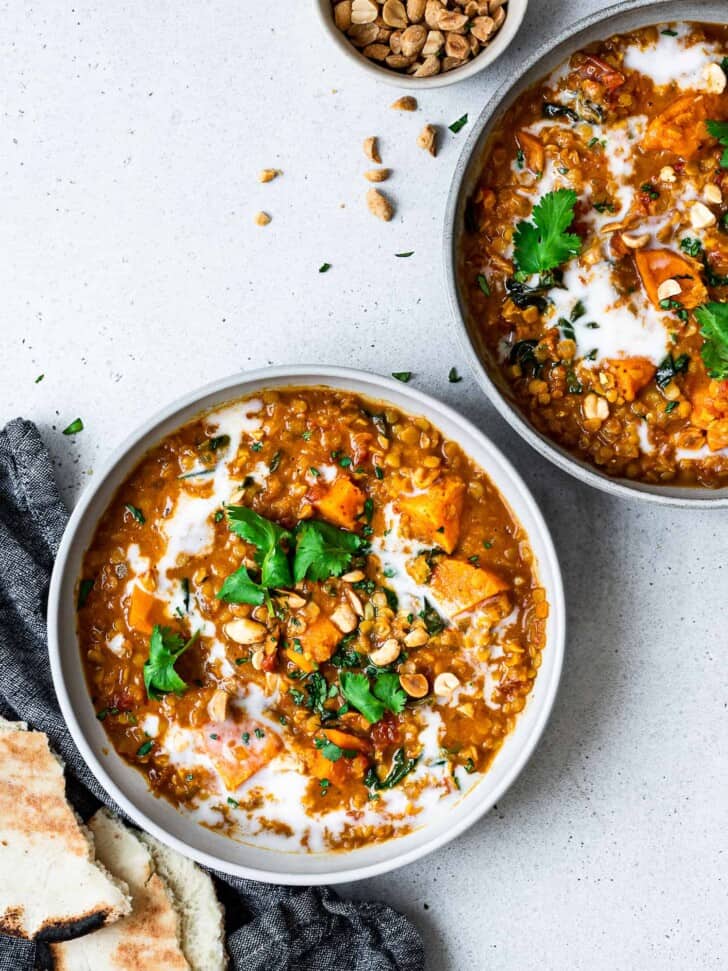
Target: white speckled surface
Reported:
[(132, 270)]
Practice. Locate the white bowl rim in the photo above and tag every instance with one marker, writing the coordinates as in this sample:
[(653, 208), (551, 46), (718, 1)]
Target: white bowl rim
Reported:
[(322, 375), (489, 55), (663, 10)]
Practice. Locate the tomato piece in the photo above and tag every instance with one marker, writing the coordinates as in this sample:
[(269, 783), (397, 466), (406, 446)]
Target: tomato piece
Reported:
[(598, 70)]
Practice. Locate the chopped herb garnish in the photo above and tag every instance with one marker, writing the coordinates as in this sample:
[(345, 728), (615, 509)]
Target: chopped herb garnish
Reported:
[(545, 243), (74, 428), (650, 190), (323, 551), (135, 512), (242, 660), (84, 589), (693, 247), (245, 737), (453, 377), (488, 544), (165, 649), (372, 702), (670, 367), (324, 786), (232, 802), (457, 125), (275, 462), (196, 472), (219, 515), (713, 320), (483, 284), (259, 733), (719, 130), (668, 32), (324, 268), (433, 621), (298, 696), (402, 376), (403, 256), (145, 748), (344, 461), (378, 471), (549, 109), (256, 446), (604, 206), (213, 444), (520, 159), (670, 406), (105, 712), (573, 384), (401, 766), (314, 472)]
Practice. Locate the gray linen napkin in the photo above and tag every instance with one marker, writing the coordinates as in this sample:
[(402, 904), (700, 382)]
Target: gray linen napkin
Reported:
[(269, 928)]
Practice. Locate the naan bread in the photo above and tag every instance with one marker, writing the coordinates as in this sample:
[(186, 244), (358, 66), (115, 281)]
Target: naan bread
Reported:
[(201, 914), (146, 940), (51, 888)]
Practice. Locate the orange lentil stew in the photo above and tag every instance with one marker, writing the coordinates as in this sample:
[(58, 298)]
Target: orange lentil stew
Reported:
[(305, 613), (594, 259)]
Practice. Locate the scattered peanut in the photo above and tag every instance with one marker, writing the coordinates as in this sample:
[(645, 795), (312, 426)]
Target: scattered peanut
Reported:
[(668, 288), (427, 139), (262, 219), (715, 79), (445, 683), (416, 637), (345, 618), (700, 216), (244, 631), (712, 194), (668, 174), (292, 599), (595, 407), (386, 654), (354, 576), (354, 601), (406, 103), (415, 685), (379, 205), (217, 706), (635, 240), (371, 149), (267, 175)]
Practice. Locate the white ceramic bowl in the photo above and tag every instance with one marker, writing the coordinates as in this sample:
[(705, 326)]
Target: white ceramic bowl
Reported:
[(514, 16), (619, 18), (128, 787)]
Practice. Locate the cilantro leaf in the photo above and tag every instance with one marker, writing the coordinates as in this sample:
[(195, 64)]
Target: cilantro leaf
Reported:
[(401, 766), (355, 688), (544, 244), (719, 130), (713, 320), (388, 690), (323, 551), (331, 751), (268, 539), (165, 648), (240, 588), (74, 428), (318, 691)]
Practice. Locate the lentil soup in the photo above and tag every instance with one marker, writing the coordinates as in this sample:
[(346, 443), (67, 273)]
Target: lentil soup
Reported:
[(594, 256), (310, 620)]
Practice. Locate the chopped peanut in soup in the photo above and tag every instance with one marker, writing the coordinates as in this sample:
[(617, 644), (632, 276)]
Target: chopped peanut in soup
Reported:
[(310, 620), (594, 258)]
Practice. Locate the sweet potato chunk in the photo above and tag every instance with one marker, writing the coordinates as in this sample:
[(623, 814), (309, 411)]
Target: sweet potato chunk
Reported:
[(342, 503), (533, 151), (460, 586), (631, 374), (656, 265), (236, 751), (144, 610), (434, 516), (319, 640), (680, 128), (708, 397), (717, 436), (346, 741)]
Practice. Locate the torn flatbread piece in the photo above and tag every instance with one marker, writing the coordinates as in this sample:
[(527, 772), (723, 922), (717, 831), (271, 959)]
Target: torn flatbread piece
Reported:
[(50, 886), (149, 937)]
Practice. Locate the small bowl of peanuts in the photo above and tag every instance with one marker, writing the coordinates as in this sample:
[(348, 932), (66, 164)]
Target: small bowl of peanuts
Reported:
[(422, 43)]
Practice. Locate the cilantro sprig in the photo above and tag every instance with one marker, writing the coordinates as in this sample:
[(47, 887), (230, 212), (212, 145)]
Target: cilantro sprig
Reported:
[(240, 588), (323, 551), (372, 701), (268, 539), (719, 130), (545, 243), (165, 649), (713, 320)]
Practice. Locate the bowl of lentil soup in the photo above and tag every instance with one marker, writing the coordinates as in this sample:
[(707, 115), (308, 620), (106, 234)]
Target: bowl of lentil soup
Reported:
[(307, 625), (586, 251)]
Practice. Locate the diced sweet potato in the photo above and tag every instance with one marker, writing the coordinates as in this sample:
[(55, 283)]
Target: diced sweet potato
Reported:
[(144, 610), (236, 751), (459, 586), (342, 503), (533, 150), (680, 128), (656, 265), (708, 397), (717, 436), (434, 516), (319, 641), (631, 374), (346, 741)]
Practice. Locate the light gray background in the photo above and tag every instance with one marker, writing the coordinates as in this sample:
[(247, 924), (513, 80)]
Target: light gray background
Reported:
[(131, 270)]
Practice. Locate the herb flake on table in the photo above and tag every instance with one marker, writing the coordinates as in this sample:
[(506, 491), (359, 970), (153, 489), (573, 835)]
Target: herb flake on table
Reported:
[(453, 377), (135, 512), (84, 589), (483, 284), (324, 268), (403, 256), (39, 379), (402, 376), (74, 428), (457, 125)]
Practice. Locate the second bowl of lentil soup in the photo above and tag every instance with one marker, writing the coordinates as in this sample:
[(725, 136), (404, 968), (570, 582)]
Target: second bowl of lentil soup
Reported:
[(588, 261), (314, 613)]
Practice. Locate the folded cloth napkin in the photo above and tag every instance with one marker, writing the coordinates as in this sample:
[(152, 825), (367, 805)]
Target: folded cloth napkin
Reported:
[(269, 928)]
